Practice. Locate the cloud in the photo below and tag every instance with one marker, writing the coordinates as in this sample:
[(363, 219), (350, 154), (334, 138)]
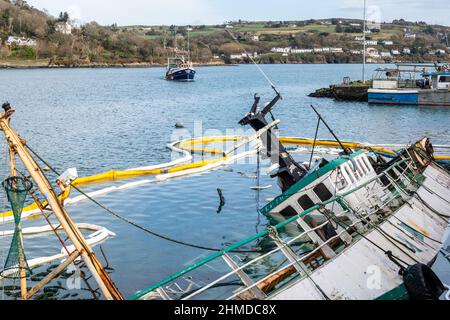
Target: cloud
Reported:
[(153, 12), (136, 11)]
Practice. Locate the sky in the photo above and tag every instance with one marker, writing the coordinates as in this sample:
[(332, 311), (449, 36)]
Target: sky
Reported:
[(195, 12)]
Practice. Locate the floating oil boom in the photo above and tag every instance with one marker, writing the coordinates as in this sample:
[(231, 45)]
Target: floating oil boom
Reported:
[(17, 147)]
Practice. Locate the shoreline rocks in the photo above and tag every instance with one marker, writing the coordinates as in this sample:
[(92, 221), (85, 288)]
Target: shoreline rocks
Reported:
[(356, 91)]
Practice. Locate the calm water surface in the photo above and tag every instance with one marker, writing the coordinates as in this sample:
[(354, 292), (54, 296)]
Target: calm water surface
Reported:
[(102, 119)]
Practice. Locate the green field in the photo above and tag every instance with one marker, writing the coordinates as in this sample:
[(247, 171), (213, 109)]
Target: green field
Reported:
[(257, 28)]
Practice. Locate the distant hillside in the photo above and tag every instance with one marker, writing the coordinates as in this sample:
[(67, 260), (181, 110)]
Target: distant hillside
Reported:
[(48, 40), (59, 42), (17, 18)]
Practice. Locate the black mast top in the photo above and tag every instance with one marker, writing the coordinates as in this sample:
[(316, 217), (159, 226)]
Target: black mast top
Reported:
[(289, 172)]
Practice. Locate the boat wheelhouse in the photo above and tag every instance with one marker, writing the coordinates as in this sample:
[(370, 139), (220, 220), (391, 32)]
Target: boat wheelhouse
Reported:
[(411, 84)]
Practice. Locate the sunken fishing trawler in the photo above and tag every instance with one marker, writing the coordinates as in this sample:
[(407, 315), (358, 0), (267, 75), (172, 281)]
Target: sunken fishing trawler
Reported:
[(369, 210), (367, 227)]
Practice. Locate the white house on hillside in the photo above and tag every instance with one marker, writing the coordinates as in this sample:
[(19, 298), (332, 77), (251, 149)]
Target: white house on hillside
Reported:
[(63, 27), (281, 50), (410, 35), (371, 42), (20, 41), (243, 55), (302, 51), (372, 52), (252, 37)]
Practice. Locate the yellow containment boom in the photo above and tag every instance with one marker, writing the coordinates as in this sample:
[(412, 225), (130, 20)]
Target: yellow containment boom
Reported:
[(200, 146)]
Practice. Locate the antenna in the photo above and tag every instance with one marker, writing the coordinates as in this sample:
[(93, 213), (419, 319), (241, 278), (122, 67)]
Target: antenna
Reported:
[(189, 43), (347, 151)]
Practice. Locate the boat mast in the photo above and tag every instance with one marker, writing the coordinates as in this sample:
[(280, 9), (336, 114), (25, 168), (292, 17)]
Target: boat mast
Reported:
[(285, 168), (364, 44), (189, 44), (82, 248)]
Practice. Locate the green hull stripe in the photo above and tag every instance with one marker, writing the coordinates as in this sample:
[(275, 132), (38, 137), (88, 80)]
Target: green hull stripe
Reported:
[(398, 293)]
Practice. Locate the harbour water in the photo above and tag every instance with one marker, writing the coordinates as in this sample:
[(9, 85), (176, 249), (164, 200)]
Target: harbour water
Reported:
[(103, 119)]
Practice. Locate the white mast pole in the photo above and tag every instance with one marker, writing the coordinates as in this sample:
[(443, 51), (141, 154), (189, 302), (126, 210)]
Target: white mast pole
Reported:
[(364, 42)]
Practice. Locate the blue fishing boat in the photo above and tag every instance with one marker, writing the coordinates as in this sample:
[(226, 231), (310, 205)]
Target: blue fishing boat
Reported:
[(180, 69), (411, 84)]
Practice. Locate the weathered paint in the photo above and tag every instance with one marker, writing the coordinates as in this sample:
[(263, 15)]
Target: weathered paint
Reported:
[(346, 276)]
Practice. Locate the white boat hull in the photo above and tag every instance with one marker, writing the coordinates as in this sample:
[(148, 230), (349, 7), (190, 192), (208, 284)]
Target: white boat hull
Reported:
[(362, 271)]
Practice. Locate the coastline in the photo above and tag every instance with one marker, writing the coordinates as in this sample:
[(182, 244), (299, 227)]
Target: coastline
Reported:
[(31, 64)]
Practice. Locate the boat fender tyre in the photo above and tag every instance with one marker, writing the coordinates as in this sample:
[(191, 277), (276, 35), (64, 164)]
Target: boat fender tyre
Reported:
[(422, 283)]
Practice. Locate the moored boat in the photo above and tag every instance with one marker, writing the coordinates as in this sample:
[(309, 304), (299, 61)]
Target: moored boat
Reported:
[(411, 84), (180, 69)]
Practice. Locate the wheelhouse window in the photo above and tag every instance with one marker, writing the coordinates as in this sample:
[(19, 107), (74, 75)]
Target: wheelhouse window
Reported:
[(444, 79), (350, 174), (288, 211), (305, 202), (322, 192)]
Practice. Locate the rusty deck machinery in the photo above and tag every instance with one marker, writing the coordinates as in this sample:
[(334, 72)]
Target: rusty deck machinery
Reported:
[(82, 249)]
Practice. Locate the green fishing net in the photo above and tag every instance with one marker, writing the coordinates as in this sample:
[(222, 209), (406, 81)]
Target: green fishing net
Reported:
[(16, 189)]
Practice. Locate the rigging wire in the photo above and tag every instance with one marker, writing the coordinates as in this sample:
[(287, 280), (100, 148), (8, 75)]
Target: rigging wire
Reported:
[(384, 234), (254, 62), (134, 224), (4, 205), (77, 264), (314, 144), (389, 253)]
